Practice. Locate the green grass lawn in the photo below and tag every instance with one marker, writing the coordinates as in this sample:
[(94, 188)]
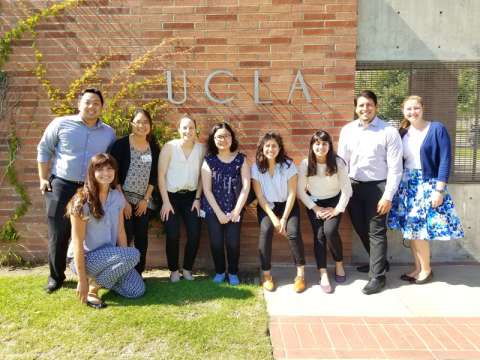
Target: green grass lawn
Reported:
[(186, 320)]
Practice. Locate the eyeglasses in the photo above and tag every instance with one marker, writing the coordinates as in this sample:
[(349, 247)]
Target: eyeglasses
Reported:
[(223, 137)]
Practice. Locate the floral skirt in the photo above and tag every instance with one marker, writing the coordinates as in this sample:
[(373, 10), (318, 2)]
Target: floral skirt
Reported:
[(412, 211)]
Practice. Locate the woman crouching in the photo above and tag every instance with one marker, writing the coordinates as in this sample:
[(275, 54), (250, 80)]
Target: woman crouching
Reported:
[(99, 249)]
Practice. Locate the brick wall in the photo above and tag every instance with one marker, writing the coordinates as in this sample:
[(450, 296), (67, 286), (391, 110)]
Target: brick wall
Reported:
[(277, 37)]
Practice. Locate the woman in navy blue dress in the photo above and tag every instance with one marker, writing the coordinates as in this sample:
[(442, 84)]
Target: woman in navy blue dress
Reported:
[(226, 183)]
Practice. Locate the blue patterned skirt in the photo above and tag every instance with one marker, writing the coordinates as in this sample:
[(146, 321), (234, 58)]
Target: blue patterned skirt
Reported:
[(412, 211)]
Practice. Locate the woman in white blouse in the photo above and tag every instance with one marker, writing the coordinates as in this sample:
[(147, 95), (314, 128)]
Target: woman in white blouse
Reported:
[(180, 187), (324, 188), (274, 178)]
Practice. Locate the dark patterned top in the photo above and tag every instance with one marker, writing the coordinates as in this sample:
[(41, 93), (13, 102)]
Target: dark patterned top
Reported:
[(226, 182), (136, 181)]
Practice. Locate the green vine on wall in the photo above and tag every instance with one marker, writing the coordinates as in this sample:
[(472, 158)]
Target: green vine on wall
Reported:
[(8, 231), (29, 24)]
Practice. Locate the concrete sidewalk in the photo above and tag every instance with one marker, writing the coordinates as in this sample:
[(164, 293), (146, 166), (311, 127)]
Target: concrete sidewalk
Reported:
[(439, 320)]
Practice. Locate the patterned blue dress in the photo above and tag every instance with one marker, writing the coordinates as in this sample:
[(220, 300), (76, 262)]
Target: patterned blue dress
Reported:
[(226, 183), (412, 210)]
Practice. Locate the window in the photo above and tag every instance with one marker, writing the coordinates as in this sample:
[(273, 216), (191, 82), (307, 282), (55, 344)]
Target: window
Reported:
[(451, 95)]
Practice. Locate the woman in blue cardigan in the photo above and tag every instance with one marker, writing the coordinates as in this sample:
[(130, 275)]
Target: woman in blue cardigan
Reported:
[(422, 208)]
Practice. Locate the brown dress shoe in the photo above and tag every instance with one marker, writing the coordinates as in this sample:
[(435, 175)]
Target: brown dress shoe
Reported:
[(268, 283), (299, 284)]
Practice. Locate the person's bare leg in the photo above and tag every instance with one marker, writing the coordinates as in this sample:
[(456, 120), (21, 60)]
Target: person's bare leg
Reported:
[(414, 273), (339, 269), (423, 250), (324, 277)]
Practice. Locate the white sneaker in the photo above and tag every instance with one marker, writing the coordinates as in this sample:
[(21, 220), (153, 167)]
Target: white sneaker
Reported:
[(187, 275), (174, 276)]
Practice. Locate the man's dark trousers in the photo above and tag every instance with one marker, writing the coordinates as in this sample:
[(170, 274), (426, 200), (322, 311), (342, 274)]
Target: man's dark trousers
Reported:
[(370, 227), (59, 228)]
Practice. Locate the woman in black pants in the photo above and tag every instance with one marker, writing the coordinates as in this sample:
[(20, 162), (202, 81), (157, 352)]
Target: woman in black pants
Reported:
[(274, 178), (324, 188), (137, 158), (181, 188)]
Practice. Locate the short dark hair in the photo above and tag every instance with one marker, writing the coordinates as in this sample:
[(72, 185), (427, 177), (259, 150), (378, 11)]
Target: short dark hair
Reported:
[(92, 91), (369, 94), (212, 147)]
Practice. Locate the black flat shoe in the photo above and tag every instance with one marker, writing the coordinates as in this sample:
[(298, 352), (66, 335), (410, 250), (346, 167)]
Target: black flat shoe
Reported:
[(52, 285), (428, 279), (94, 301), (374, 285), (407, 278)]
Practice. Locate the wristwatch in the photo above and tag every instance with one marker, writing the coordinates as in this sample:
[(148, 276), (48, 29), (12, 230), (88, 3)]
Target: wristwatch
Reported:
[(441, 192)]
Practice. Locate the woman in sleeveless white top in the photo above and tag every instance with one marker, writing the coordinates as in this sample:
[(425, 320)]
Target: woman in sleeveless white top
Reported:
[(180, 187)]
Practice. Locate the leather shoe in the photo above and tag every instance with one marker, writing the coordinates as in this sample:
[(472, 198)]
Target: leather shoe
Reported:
[(52, 285), (426, 280), (268, 283), (299, 284), (374, 285), (366, 268), (408, 278)]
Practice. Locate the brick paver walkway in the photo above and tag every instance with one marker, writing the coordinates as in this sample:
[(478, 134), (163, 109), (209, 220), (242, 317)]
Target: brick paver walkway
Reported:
[(311, 337)]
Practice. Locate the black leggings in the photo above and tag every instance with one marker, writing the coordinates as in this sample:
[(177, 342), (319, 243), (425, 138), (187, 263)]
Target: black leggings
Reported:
[(224, 236), (182, 205), (326, 231), (294, 235), (136, 229)]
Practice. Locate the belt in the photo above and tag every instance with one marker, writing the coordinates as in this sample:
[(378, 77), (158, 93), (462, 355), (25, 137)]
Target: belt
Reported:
[(353, 181), (79, 183), (184, 191)]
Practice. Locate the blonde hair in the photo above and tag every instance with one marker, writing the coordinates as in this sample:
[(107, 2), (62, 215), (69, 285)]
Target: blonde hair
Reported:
[(405, 124)]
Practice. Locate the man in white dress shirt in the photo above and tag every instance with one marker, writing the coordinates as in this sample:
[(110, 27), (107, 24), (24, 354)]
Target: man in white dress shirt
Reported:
[(372, 150)]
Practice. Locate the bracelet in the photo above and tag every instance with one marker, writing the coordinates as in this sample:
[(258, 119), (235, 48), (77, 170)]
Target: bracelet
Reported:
[(147, 200), (441, 192), (197, 198)]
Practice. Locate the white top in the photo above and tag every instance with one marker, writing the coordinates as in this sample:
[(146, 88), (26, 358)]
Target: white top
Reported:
[(275, 188), (183, 172), (412, 142), (372, 153), (322, 186)]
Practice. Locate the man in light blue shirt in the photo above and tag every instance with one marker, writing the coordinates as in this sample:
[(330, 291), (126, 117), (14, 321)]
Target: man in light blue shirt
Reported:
[(373, 152), (63, 154)]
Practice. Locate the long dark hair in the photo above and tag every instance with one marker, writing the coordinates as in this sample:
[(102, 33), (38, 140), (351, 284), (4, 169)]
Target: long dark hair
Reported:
[(212, 147), (90, 192), (322, 135), (145, 113), (405, 124), (282, 157)]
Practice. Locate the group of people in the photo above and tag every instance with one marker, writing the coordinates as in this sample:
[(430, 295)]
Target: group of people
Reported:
[(105, 186)]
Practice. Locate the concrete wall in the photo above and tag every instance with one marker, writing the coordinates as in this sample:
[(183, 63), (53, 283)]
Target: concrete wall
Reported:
[(410, 30), (418, 30)]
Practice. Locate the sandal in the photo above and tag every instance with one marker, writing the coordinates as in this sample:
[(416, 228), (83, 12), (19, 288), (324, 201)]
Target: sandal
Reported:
[(94, 301)]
